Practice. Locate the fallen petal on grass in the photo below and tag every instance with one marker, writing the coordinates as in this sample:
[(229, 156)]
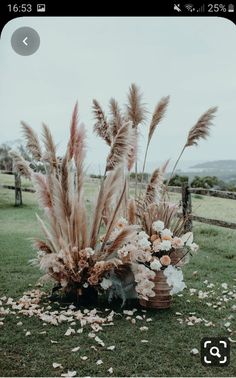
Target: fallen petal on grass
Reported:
[(56, 365), (75, 349), (194, 351)]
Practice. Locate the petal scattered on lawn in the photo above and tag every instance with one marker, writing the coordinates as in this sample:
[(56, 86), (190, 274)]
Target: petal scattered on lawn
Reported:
[(127, 312), (112, 347), (75, 349), (69, 374), (19, 324), (28, 333), (69, 331), (55, 365), (84, 358), (99, 341), (144, 341), (99, 362), (110, 370), (144, 328), (194, 351), (91, 335), (54, 342)]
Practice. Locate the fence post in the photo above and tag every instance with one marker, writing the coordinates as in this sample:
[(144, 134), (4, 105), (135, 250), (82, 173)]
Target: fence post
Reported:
[(18, 192), (187, 207)]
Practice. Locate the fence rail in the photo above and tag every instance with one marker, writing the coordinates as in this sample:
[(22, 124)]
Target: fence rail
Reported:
[(185, 191)]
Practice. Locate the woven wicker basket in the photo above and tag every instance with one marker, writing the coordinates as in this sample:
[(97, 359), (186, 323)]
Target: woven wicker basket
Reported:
[(163, 297)]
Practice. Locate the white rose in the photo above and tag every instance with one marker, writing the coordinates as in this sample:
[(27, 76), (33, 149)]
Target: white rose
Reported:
[(187, 238), (155, 265), (194, 247), (144, 243), (165, 245), (158, 226), (166, 232)]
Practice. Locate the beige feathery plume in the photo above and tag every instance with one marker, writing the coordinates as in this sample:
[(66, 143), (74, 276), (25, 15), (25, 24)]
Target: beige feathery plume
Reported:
[(120, 147), (41, 245), (64, 177), (109, 187), (132, 211), (42, 190), (133, 149), (201, 129), (32, 141), (47, 234), (158, 115), (83, 228), (113, 218), (155, 185), (135, 109), (73, 132), (21, 165), (50, 148), (79, 156), (117, 119), (123, 236), (60, 207), (101, 127)]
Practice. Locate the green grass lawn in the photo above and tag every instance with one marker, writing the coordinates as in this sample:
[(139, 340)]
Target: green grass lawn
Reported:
[(167, 352)]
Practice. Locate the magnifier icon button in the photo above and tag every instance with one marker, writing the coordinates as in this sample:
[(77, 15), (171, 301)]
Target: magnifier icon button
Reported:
[(214, 351)]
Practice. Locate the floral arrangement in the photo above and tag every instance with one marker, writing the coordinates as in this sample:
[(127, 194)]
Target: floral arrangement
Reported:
[(127, 240)]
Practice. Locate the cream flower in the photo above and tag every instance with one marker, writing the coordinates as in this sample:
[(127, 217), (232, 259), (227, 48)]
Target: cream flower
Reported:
[(166, 234), (174, 279), (155, 264), (194, 247), (144, 243), (177, 242), (106, 283), (158, 226), (165, 245), (165, 260), (156, 245), (187, 238)]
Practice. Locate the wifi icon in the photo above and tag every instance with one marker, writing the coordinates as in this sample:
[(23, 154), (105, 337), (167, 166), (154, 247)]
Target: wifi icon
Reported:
[(190, 7)]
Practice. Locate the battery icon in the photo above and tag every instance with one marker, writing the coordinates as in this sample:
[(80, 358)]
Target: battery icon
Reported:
[(230, 8)]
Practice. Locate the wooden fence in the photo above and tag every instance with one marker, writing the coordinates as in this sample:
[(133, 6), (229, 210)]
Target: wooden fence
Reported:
[(186, 192)]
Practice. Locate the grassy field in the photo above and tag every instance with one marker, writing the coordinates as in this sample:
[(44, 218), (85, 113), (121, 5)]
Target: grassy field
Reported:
[(167, 352)]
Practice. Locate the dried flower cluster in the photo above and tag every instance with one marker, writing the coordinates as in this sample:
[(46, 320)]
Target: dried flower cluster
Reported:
[(142, 235)]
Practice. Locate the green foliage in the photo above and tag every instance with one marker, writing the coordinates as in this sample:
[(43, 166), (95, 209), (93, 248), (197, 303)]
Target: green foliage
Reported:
[(178, 180), (5, 159), (207, 182), (139, 176)]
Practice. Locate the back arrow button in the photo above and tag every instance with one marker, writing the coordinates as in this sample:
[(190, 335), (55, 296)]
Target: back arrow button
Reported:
[(24, 41)]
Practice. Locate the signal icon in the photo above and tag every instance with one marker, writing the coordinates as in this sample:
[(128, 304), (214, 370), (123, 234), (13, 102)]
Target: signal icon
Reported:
[(190, 7), (201, 9)]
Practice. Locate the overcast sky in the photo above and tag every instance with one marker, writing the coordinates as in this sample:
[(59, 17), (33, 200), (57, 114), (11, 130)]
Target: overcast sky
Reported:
[(191, 59)]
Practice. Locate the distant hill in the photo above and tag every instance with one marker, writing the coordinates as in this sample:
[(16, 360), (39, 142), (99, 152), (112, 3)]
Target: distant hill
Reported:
[(226, 165)]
